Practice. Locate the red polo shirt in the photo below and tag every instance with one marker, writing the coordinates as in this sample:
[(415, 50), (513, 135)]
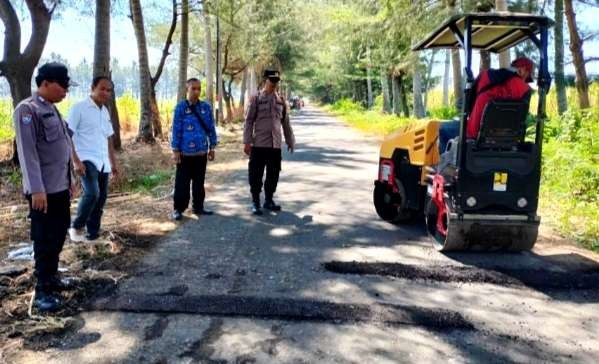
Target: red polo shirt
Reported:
[(514, 88)]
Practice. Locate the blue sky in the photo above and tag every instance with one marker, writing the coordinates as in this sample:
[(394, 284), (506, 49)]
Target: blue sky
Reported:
[(72, 28)]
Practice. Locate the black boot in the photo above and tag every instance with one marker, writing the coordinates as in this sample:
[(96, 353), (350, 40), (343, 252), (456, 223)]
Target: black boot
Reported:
[(59, 284), (46, 301), (177, 215), (270, 204), (202, 211), (256, 209)]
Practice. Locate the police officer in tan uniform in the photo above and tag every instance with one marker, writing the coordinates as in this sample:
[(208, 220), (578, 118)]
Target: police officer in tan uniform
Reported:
[(267, 115), (44, 147)]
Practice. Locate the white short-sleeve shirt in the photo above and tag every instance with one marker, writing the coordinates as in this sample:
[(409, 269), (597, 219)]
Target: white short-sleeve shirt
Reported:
[(91, 128)]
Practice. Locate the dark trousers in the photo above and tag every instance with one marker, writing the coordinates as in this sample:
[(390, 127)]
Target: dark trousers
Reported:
[(48, 232), (91, 204), (261, 158), (191, 169)]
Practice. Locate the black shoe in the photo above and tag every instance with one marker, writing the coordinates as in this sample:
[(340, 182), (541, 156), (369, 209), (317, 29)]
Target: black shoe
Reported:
[(271, 205), (256, 210), (177, 216), (46, 302), (92, 237), (62, 284), (202, 211)]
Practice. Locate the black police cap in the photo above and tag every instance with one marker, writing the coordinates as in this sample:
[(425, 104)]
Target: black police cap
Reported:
[(56, 72), (272, 74)]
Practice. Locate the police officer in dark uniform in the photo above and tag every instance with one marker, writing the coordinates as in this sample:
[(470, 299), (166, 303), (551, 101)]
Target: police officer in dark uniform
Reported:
[(267, 115), (44, 147)]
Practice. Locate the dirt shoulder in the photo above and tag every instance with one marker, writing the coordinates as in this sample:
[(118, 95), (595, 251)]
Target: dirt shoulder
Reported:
[(136, 216)]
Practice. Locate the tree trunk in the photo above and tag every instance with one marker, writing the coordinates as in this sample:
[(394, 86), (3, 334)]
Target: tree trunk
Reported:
[(254, 83), (150, 115), (427, 83), (155, 115), (18, 66), (19, 82), (370, 98), (446, 78), (582, 81), (458, 82), (560, 82), (244, 82), (147, 105), (504, 57), (485, 60), (20, 89), (417, 91), (396, 95), (219, 74), (403, 96), (228, 99), (456, 62), (387, 107), (102, 63), (183, 50), (208, 59), (369, 81)]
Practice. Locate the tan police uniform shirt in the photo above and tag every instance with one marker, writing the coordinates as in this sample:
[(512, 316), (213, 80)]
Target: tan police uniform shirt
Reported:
[(266, 116), (43, 145)]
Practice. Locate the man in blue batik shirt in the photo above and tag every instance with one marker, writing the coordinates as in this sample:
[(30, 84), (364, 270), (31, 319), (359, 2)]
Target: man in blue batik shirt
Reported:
[(193, 141)]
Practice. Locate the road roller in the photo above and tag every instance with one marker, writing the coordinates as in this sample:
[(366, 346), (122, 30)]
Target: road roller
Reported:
[(474, 194)]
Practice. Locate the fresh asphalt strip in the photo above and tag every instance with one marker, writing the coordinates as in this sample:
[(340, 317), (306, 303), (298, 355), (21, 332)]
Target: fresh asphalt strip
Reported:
[(533, 278), (284, 309)]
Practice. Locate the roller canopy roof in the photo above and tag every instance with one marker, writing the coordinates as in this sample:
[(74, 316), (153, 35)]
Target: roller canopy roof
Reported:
[(494, 32)]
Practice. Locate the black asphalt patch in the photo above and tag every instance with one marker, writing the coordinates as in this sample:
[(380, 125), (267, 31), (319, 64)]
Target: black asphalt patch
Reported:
[(534, 278), (285, 309)]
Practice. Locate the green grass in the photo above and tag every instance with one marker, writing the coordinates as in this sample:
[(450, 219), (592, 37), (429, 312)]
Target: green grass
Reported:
[(570, 180), (147, 183), (369, 121), (7, 132)]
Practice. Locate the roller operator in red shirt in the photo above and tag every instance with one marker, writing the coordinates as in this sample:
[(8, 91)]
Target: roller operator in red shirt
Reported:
[(505, 83)]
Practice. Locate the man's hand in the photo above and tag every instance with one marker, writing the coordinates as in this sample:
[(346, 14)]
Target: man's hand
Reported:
[(247, 149), (79, 167), (290, 148), (176, 156), (39, 202), (211, 155)]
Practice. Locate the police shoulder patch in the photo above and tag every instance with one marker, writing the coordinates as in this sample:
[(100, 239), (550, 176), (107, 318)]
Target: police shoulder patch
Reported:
[(26, 119)]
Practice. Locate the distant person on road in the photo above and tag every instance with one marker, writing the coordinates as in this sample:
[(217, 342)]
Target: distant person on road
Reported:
[(90, 122), (266, 116), (45, 150), (193, 141)]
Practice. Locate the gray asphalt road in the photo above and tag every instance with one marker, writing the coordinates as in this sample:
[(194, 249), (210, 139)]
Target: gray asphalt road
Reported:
[(233, 288)]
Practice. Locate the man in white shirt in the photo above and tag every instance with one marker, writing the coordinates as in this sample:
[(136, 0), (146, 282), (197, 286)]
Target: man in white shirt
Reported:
[(89, 120)]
